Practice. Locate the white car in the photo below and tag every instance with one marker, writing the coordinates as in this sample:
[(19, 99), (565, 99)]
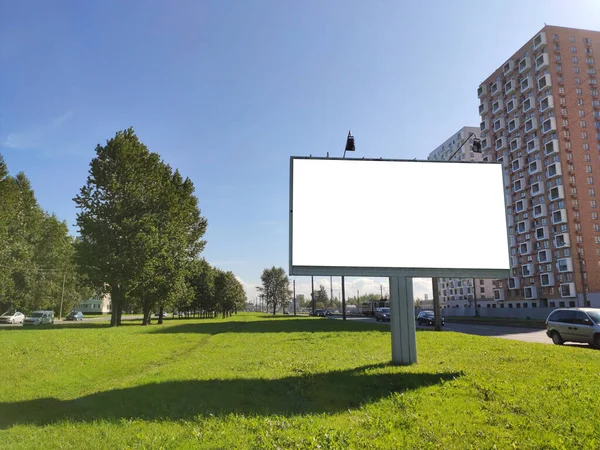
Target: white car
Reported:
[(12, 317)]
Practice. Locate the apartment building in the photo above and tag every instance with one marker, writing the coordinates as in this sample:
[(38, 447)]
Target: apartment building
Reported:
[(455, 291), (540, 117)]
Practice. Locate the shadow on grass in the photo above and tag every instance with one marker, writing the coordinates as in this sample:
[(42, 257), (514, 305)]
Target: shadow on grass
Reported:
[(272, 325), (328, 392)]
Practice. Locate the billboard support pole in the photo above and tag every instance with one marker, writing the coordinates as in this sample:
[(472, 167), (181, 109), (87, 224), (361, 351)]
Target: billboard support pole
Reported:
[(402, 318), (343, 298)]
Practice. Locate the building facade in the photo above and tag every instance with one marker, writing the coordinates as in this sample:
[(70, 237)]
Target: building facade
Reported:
[(540, 117), (100, 304), (455, 291)]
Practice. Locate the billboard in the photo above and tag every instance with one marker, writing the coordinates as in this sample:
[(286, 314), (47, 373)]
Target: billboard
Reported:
[(360, 217)]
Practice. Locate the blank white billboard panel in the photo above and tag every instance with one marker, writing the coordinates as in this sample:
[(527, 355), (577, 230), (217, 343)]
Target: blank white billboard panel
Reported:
[(447, 219)]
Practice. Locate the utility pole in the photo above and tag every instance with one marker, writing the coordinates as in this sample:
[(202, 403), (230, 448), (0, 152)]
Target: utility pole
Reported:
[(436, 304), (582, 272), (312, 282), (381, 290), (343, 298), (62, 297), (294, 282)]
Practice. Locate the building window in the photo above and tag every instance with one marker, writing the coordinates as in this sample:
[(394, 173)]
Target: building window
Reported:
[(584, 135), (588, 169), (574, 50), (572, 39), (594, 215), (592, 192), (577, 80), (587, 157), (576, 70), (583, 124)]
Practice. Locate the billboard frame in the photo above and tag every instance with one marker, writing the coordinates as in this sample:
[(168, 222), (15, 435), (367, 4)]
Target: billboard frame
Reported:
[(426, 272)]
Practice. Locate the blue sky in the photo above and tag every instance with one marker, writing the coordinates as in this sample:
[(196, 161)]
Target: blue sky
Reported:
[(226, 91)]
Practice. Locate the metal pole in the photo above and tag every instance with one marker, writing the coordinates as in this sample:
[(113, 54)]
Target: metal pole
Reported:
[(381, 290), (581, 271), (62, 296), (344, 298), (436, 304), (475, 299), (331, 289), (312, 282), (294, 297)]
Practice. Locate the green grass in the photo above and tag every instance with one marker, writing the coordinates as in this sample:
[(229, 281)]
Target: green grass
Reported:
[(254, 382)]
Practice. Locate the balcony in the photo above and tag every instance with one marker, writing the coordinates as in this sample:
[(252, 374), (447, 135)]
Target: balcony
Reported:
[(497, 106), (484, 125), (565, 265), (559, 216), (549, 125), (556, 193), (526, 84), (514, 283), (513, 124), (482, 91), (541, 233), (483, 108), (539, 41), (534, 167), (527, 104), (509, 87), (547, 279), (498, 294), (532, 145), (508, 67), (518, 186), (539, 211), (498, 124), (553, 170), (544, 82), (530, 292), (546, 104), (530, 125), (542, 61), (567, 290), (500, 143), (521, 205), (523, 227), (562, 240), (524, 64), (494, 89), (537, 188), (516, 164), (542, 256), (511, 105), (527, 270)]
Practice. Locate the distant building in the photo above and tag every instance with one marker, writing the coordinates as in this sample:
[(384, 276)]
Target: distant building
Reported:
[(455, 291), (99, 304)]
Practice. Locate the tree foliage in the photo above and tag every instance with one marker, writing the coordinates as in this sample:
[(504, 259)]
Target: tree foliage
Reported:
[(37, 256), (275, 288), (140, 227)]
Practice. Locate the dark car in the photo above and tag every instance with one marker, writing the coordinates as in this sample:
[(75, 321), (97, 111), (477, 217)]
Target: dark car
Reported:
[(75, 315), (382, 314), (427, 318), (319, 313), (329, 312)]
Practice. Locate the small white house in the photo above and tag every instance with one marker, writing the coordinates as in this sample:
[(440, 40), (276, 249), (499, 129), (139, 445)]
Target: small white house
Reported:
[(99, 304)]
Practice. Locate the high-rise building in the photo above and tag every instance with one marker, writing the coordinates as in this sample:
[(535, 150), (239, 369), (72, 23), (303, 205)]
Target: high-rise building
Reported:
[(540, 117), (455, 291)]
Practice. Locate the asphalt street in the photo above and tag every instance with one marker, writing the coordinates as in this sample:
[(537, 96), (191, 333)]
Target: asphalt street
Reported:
[(514, 333)]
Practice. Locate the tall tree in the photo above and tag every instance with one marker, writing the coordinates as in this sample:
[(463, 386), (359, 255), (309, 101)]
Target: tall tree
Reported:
[(275, 287), (139, 225)]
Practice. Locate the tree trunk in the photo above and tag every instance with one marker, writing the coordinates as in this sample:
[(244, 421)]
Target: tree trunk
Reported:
[(274, 307), (146, 311), (160, 315)]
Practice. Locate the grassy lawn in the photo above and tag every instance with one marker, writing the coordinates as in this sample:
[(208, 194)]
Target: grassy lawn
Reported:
[(254, 382)]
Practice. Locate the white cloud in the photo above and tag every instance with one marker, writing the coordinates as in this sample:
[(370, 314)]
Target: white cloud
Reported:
[(34, 136)]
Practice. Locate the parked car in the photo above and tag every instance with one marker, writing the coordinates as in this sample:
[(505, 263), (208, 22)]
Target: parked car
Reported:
[(382, 314), (12, 317), (427, 318), (39, 318), (75, 315), (329, 312), (319, 313), (574, 325)]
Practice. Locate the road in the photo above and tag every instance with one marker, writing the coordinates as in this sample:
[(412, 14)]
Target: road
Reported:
[(514, 333)]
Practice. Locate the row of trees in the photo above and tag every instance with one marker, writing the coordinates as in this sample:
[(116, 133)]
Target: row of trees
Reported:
[(37, 256), (140, 239), (141, 235)]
